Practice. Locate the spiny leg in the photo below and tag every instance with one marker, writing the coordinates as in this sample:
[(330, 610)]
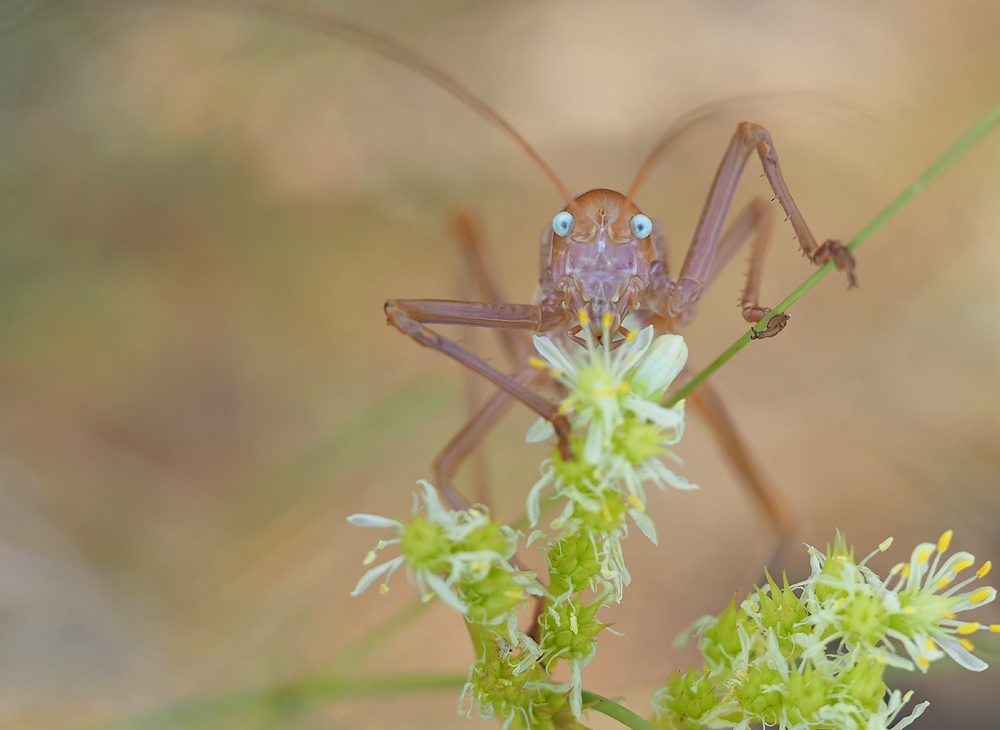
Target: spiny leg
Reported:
[(688, 287), (755, 220)]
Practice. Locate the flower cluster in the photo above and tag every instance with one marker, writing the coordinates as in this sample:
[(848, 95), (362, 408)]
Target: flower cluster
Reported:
[(613, 403), (459, 555), (508, 682), (916, 607), (808, 656), (812, 656), (620, 431)]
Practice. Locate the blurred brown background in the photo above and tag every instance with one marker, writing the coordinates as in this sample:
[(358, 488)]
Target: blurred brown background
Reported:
[(203, 212)]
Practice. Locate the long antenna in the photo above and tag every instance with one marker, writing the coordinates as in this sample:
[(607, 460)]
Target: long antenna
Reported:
[(308, 17)]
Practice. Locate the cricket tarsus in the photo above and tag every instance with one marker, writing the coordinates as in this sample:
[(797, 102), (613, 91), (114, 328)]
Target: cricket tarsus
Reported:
[(774, 324)]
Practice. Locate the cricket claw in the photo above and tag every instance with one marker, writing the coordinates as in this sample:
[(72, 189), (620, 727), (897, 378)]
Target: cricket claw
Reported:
[(774, 325), (836, 251)]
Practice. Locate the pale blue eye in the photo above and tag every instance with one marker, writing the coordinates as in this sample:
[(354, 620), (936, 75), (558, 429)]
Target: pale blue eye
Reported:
[(562, 223), (641, 225)]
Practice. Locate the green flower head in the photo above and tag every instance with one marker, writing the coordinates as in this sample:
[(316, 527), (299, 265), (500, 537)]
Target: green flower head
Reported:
[(461, 556)]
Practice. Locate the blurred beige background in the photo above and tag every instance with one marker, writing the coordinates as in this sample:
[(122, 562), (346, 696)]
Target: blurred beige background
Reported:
[(203, 212)]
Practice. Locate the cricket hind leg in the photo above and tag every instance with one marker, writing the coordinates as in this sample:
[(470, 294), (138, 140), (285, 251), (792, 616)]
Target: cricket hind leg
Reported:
[(470, 437), (482, 418), (754, 221), (709, 408)]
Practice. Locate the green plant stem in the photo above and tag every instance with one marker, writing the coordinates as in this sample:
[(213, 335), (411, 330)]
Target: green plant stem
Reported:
[(626, 717), (949, 158)]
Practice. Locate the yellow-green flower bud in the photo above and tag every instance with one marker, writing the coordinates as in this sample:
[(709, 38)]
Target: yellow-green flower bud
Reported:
[(686, 699), (422, 544), (721, 642), (492, 596), (570, 629), (572, 564), (639, 442)]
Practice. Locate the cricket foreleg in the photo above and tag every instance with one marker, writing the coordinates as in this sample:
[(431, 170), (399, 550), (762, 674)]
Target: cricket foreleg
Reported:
[(407, 315), (756, 222), (688, 288)]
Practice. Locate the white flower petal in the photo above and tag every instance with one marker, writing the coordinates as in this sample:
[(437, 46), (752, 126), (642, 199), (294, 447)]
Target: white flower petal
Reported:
[(919, 560), (644, 524), (633, 352), (966, 605), (588, 502), (576, 685), (444, 592), (917, 712), (663, 362), (948, 568), (532, 503), (541, 430), (962, 657), (774, 654), (535, 535), (373, 575), (556, 357), (365, 520), (666, 418), (674, 480), (895, 660), (436, 511), (593, 447), (703, 623)]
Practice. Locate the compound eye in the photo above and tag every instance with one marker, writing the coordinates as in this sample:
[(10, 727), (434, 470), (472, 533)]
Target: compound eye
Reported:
[(641, 225), (562, 223)]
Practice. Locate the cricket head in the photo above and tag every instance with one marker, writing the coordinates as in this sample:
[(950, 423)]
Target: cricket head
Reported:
[(601, 254)]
